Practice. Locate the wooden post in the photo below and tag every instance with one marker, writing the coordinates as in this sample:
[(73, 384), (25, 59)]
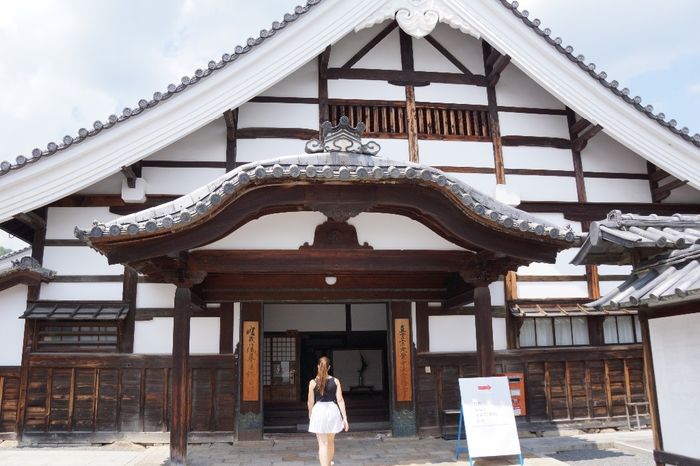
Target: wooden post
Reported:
[(231, 119), (180, 376), (494, 124), (484, 331), (411, 124), (650, 382), (250, 421), (422, 331), (323, 110), (129, 289), (403, 419), (510, 285), (226, 329)]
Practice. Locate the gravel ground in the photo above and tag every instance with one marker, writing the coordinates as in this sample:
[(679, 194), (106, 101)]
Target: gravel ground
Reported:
[(604, 458)]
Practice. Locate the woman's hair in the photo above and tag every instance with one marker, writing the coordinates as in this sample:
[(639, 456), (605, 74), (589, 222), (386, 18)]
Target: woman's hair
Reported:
[(322, 374)]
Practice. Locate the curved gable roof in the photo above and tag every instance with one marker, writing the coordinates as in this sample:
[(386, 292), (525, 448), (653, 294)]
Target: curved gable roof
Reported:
[(598, 100)]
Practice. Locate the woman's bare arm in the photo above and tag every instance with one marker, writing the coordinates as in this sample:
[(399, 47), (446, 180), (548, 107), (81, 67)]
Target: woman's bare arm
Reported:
[(341, 404), (310, 399)]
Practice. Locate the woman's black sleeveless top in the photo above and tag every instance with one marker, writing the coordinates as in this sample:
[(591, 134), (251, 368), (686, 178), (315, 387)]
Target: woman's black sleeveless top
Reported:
[(329, 392)]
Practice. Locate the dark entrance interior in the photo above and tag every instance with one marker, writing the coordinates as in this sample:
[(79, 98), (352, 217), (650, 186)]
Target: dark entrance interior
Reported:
[(289, 362)]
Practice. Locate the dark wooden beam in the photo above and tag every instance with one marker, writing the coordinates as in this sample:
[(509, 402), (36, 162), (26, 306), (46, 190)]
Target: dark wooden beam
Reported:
[(422, 328), (231, 119), (576, 126), (582, 138), (180, 377), (494, 124), (494, 73), (283, 133), (32, 220), (663, 191), (510, 288), (484, 331), (129, 289), (576, 156), (599, 210), (370, 45), (226, 329), (535, 141), (411, 123), (323, 110), (446, 53), (131, 172), (662, 458), (419, 78), (406, 45)]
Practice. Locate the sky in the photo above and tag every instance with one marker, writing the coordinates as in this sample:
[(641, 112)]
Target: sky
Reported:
[(66, 63)]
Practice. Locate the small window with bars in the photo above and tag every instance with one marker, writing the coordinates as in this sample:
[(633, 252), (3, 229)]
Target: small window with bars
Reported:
[(554, 331), (621, 330), (279, 360), (76, 336)]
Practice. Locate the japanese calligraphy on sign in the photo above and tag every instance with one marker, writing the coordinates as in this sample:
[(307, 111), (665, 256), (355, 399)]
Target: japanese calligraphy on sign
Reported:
[(251, 360), (402, 347)]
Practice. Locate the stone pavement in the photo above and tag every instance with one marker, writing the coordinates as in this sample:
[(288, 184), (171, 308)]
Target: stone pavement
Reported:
[(351, 450)]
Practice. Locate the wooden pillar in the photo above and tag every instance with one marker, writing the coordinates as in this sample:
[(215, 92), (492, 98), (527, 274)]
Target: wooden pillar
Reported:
[(650, 382), (484, 331), (226, 329), (231, 119), (422, 330), (510, 286), (323, 109), (129, 288), (250, 420), (180, 376), (494, 124), (403, 415)]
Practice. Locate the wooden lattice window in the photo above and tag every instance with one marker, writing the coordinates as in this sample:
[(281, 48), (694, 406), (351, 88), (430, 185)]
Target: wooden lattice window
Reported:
[(385, 119), (279, 360), (554, 331), (446, 121), (54, 336), (621, 330)]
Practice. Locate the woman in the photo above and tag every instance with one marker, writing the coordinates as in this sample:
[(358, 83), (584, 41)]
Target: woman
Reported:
[(327, 414)]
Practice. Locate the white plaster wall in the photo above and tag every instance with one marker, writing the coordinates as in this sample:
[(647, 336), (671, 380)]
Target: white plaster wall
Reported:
[(515, 89), (61, 221), (204, 335), (607, 286), (456, 153), (498, 293), (302, 83), (104, 291), (684, 195), (277, 115), (349, 45), (110, 185), (394, 149), (452, 333), (370, 316), (483, 182), (530, 124), (548, 158), (78, 260), (617, 190), (604, 154), (207, 143), (236, 324), (389, 231), (614, 269), (500, 340), (347, 362), (464, 47), (13, 303), (452, 93), (386, 55), (576, 289), (304, 317), (427, 58), (543, 188), (155, 295), (154, 336), (253, 150), (364, 89), (178, 181), (675, 348), (414, 333), (562, 266), (287, 230)]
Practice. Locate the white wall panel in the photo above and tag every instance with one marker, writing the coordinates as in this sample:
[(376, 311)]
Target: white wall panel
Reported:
[(155, 295), (464, 47), (456, 153), (110, 185), (349, 45), (483, 182), (371, 316), (364, 89), (452, 93), (13, 303), (498, 293), (617, 190), (304, 317), (614, 269), (250, 150), (675, 348), (427, 58), (552, 290), (277, 115), (178, 181), (204, 335), (61, 221), (386, 55), (236, 324), (607, 286), (302, 83), (154, 336), (530, 124), (515, 89), (346, 363), (207, 143), (500, 338), (105, 291), (548, 158), (452, 333), (561, 267), (389, 231), (393, 149), (78, 260), (684, 195), (604, 154), (543, 188)]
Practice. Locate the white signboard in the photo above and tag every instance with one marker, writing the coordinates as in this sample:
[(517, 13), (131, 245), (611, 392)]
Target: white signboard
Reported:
[(489, 421)]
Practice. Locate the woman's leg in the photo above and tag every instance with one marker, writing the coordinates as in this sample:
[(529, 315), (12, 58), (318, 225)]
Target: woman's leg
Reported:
[(323, 449), (331, 448)]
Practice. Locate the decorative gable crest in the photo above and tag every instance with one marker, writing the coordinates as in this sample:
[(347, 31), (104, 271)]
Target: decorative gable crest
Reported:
[(342, 138)]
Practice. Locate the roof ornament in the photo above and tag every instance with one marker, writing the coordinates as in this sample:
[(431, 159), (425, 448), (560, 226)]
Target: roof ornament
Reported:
[(342, 138)]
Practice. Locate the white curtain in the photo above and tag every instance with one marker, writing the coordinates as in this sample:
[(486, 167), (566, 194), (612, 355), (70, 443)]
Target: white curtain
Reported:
[(545, 337), (527, 333), (637, 329), (625, 329), (610, 330), (562, 331), (579, 326)]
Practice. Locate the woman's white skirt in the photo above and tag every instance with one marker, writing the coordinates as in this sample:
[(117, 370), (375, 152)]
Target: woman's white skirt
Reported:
[(325, 418)]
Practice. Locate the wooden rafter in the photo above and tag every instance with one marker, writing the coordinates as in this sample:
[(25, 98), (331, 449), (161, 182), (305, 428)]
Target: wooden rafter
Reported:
[(584, 136), (370, 45), (446, 53), (131, 172), (231, 119), (494, 65), (32, 220), (659, 191), (323, 110)]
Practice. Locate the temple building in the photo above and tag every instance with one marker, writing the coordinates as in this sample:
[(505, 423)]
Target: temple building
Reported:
[(399, 185)]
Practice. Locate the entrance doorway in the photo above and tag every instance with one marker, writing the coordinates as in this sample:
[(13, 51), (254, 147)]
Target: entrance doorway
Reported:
[(352, 336)]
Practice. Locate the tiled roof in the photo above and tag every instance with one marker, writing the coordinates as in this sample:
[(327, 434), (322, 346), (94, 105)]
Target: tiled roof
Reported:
[(15, 253), (27, 263), (344, 167), (65, 310), (252, 43), (561, 310), (602, 76)]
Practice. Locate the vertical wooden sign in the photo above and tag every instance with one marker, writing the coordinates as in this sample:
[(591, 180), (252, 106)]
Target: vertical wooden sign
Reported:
[(251, 360), (402, 348)]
